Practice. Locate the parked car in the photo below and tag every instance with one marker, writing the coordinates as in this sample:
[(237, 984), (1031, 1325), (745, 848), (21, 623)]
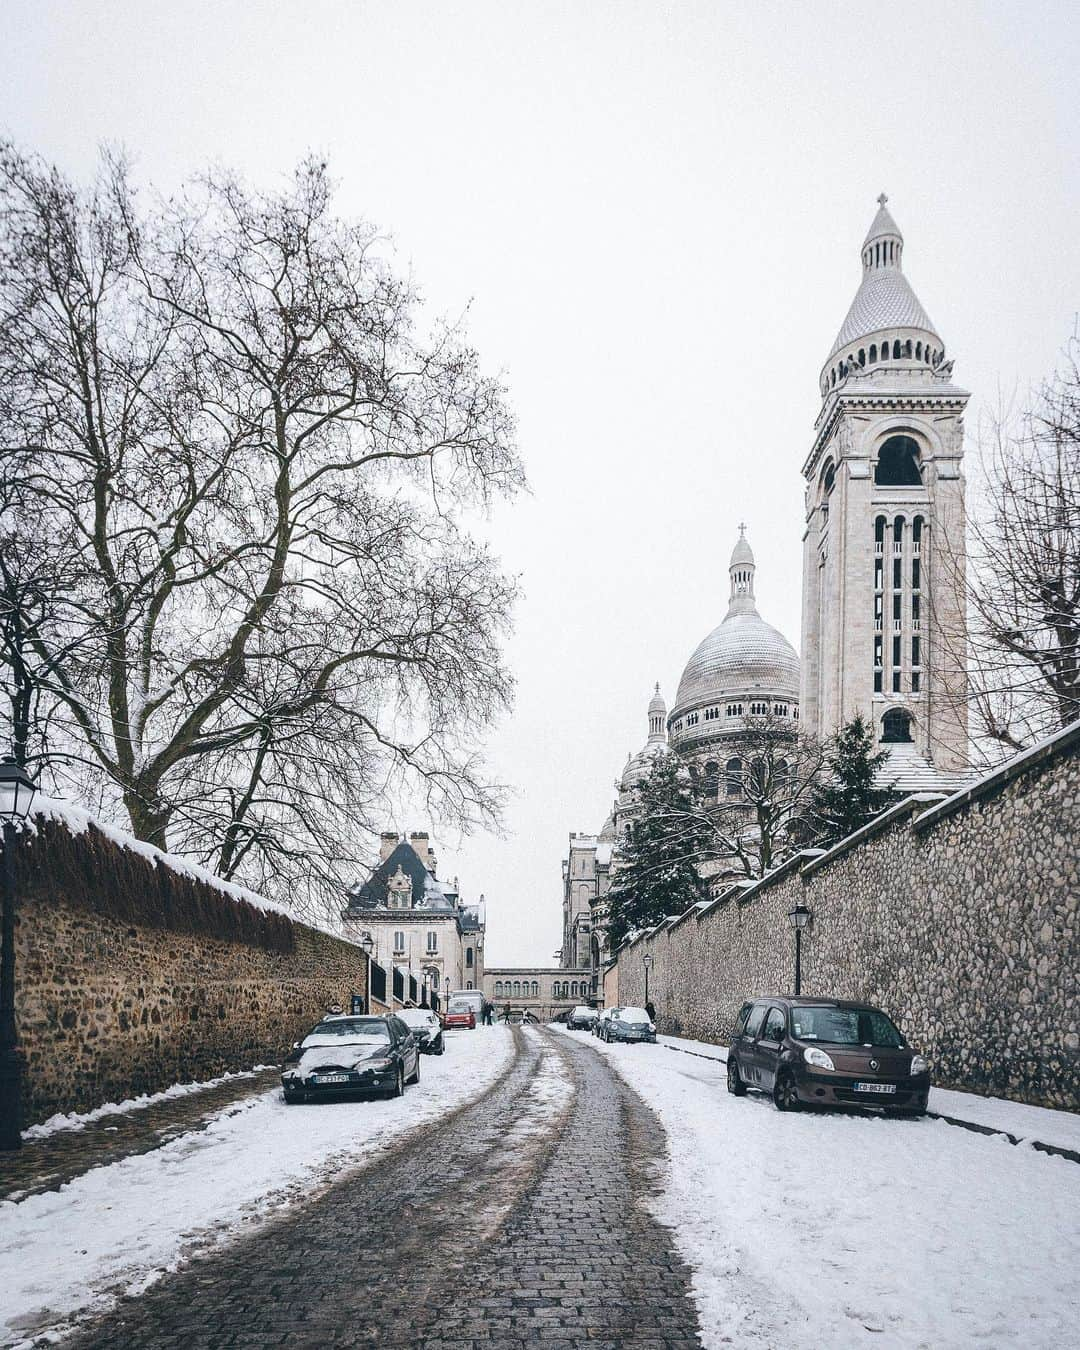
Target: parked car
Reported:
[(460, 1014), (346, 1055), (825, 1052), (602, 1020), (629, 1024), (581, 1018), (474, 998), (426, 1027)]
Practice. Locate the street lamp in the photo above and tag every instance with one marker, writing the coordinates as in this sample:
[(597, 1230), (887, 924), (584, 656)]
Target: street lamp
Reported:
[(798, 917), (367, 946), (646, 961), (16, 796)]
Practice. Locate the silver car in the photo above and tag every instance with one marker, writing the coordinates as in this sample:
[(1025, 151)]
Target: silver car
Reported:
[(629, 1024)]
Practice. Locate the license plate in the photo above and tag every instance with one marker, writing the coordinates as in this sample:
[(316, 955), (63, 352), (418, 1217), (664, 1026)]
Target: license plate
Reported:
[(332, 1078), (875, 1087)]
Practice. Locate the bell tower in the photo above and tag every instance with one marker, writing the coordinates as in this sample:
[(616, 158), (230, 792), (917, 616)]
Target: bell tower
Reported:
[(883, 554)]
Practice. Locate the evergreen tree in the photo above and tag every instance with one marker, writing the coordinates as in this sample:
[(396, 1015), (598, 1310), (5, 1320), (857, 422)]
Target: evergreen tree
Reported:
[(846, 798), (656, 873)]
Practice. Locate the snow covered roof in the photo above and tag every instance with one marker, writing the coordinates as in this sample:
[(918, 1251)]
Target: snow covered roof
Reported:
[(906, 770), (426, 891)]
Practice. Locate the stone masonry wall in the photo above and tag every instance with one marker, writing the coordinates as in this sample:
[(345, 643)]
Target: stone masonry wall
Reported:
[(959, 918), (111, 1007)]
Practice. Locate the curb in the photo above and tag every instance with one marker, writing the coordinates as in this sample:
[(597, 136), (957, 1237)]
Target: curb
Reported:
[(1055, 1150)]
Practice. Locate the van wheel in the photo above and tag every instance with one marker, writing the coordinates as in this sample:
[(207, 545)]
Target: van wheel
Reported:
[(784, 1095), (735, 1084), (398, 1090)]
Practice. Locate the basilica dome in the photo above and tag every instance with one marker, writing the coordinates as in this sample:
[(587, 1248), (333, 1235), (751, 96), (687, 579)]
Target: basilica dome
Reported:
[(745, 667), (741, 654)]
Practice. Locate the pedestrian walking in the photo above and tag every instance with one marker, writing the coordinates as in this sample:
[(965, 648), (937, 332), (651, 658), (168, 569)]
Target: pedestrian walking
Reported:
[(651, 1011)]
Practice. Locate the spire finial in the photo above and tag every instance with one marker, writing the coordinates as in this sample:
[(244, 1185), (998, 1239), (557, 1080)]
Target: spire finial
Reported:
[(657, 686), (882, 199), (742, 527)]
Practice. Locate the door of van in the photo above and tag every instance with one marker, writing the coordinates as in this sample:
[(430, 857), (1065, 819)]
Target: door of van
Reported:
[(768, 1048), (746, 1045)]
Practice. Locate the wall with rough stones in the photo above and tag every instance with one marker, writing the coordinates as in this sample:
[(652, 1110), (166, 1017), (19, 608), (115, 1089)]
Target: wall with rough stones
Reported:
[(113, 1000), (958, 916)]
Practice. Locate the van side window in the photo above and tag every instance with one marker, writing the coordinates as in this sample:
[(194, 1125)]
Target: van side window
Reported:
[(774, 1026), (740, 1023), (756, 1019)]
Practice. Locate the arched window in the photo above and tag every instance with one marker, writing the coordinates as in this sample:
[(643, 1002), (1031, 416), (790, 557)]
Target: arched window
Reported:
[(873, 352), (898, 463), (536, 988), (862, 357), (711, 782), (896, 350), (828, 479), (759, 776), (733, 778), (498, 988), (879, 535), (918, 351), (896, 727), (907, 348), (517, 988)]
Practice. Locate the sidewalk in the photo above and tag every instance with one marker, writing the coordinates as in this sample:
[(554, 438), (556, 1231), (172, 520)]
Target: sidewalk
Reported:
[(48, 1161), (1040, 1127)]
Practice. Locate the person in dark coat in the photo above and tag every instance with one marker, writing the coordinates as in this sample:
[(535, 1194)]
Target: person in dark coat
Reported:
[(651, 1011)]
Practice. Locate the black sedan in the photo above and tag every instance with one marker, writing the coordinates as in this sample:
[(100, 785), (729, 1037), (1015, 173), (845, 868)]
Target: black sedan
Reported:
[(426, 1027), (352, 1055)]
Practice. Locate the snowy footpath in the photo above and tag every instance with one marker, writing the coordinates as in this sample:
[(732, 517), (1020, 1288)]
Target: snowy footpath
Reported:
[(814, 1230), (117, 1229)]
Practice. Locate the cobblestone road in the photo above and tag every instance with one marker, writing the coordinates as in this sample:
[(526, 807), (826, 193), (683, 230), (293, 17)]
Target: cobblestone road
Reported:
[(520, 1221)]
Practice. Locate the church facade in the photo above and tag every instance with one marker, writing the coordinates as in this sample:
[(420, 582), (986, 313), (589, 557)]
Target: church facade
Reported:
[(883, 629)]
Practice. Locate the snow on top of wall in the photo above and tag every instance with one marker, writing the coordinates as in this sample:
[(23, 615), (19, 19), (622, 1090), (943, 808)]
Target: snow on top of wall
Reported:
[(77, 820)]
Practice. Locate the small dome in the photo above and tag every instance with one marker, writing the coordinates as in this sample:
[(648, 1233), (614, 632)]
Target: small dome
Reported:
[(657, 704), (741, 654)]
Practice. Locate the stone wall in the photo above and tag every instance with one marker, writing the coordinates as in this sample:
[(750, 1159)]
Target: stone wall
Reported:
[(959, 916), (126, 986)]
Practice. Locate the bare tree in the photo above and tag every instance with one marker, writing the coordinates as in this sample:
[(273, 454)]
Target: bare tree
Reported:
[(1022, 583), (241, 468)]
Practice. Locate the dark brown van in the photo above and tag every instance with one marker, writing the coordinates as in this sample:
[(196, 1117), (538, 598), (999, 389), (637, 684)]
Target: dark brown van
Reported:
[(825, 1052)]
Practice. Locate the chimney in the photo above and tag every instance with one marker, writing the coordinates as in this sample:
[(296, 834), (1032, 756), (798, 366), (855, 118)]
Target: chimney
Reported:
[(388, 841), (422, 848)]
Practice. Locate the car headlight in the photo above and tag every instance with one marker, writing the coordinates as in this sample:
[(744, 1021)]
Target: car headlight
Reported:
[(818, 1058), (372, 1064), (919, 1064), (294, 1072)]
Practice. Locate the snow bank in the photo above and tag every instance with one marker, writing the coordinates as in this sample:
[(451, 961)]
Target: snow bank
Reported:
[(837, 1230), (119, 1228), (78, 1120)]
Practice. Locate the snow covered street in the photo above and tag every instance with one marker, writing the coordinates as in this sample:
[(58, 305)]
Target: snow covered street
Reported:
[(117, 1229), (839, 1230)]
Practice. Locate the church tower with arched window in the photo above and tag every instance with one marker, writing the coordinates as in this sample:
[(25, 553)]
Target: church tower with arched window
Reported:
[(883, 617)]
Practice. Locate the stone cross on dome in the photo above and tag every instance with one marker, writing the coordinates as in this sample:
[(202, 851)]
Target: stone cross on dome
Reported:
[(882, 199)]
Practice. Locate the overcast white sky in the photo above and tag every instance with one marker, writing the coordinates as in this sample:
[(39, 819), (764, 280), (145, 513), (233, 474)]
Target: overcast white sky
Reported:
[(656, 211)]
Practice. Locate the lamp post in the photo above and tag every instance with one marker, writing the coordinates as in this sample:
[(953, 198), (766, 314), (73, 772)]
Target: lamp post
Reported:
[(646, 961), (16, 796), (798, 917), (367, 944)]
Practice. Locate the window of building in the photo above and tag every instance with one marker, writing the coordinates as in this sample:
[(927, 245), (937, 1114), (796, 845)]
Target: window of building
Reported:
[(432, 942), (691, 719), (734, 710), (573, 989), (795, 713), (468, 956), (711, 783), (759, 709), (733, 778), (898, 463), (536, 988), (498, 988), (517, 988), (780, 709), (711, 714), (896, 727)]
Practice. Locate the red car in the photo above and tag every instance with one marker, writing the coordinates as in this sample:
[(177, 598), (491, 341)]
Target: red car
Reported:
[(460, 1014)]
